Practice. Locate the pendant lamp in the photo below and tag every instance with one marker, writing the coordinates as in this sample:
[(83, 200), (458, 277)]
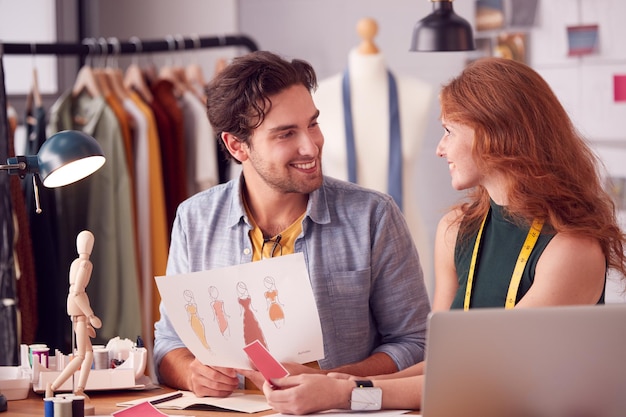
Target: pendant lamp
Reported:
[(442, 31)]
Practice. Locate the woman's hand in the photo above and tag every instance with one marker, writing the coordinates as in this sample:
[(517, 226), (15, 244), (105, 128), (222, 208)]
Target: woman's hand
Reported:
[(308, 393)]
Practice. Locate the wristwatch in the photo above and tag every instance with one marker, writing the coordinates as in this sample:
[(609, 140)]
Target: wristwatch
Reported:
[(366, 397)]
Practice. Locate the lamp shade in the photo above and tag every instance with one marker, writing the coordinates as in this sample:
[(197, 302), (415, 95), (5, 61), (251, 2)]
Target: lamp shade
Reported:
[(442, 30), (68, 156)]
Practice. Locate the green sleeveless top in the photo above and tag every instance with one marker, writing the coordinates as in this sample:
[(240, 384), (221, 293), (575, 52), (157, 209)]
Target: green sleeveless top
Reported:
[(501, 244)]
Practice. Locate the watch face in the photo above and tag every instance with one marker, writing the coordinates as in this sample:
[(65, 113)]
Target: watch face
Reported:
[(364, 399)]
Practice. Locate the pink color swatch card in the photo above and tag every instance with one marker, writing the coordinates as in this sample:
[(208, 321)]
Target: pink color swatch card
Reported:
[(264, 361)]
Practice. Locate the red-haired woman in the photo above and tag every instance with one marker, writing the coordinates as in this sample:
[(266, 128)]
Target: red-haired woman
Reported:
[(536, 229)]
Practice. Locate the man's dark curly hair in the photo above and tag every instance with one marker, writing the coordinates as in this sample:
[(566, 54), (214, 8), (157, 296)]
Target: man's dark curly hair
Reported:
[(238, 98)]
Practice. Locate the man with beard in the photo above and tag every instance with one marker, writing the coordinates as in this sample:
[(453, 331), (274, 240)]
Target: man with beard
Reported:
[(363, 265)]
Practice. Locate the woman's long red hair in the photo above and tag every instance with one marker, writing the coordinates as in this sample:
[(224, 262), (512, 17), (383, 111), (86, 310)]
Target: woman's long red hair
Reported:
[(522, 131)]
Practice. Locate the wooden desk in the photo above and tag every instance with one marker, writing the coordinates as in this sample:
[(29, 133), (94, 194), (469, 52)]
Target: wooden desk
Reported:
[(104, 403)]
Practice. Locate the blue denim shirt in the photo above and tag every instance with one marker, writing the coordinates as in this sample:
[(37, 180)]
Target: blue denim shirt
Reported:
[(363, 265)]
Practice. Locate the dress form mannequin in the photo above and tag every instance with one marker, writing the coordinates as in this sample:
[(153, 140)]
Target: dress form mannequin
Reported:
[(369, 91), (83, 319)]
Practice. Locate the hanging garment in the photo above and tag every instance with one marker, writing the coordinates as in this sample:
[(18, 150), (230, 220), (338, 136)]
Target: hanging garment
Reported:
[(124, 122), (26, 283), (149, 179), (201, 150), (169, 119), (101, 203), (8, 316), (53, 327), (151, 226)]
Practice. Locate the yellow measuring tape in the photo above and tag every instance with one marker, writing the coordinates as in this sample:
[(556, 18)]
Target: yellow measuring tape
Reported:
[(516, 278)]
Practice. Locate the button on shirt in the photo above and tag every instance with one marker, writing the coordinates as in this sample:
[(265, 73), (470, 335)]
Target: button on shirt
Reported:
[(363, 265)]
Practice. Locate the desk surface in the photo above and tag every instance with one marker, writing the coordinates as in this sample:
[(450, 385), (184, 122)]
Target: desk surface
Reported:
[(104, 403)]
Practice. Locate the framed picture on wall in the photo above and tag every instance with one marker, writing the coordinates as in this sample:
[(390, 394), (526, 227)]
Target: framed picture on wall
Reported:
[(489, 14), (619, 88), (582, 40), (511, 45), (521, 13)]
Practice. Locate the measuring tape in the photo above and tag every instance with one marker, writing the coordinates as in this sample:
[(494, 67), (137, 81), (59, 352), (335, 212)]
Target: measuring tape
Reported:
[(516, 278)]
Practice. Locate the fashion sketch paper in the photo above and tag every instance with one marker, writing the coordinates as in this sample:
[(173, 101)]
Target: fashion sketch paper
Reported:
[(217, 313)]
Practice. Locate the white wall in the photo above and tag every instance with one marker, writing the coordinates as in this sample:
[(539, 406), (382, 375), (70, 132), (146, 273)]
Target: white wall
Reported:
[(41, 28), (320, 31), (158, 19), (585, 84), (324, 31)]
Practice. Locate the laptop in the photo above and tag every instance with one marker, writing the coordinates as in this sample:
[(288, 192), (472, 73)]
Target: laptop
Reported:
[(540, 362)]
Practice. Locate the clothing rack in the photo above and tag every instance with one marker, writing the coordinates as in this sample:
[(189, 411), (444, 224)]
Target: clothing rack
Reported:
[(88, 47), (91, 46)]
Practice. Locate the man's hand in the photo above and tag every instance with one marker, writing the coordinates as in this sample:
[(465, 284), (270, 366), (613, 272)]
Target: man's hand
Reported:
[(254, 376), (293, 368), (207, 381)]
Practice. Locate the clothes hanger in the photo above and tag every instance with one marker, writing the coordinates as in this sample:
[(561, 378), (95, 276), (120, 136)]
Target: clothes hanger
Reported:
[(109, 76), (194, 73), (99, 69), (220, 64), (113, 73), (168, 71), (86, 79), (34, 95), (134, 78), (179, 70)]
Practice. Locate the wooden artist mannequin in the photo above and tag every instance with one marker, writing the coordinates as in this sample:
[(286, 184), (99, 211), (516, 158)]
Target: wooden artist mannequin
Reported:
[(83, 319), (369, 91)]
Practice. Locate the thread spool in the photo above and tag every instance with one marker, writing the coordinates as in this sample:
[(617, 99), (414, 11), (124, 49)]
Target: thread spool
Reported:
[(78, 406), (48, 407), (62, 407), (101, 358)]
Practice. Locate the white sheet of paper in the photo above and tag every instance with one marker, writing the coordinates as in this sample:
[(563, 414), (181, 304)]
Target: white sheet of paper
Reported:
[(217, 312), (245, 403)]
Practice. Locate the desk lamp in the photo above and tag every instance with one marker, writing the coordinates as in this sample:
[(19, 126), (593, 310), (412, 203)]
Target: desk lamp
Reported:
[(64, 158), (442, 31)]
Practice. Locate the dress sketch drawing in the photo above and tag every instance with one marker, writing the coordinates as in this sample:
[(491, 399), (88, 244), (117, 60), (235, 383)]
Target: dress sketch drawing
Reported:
[(219, 313), (251, 329), (274, 306), (194, 319)]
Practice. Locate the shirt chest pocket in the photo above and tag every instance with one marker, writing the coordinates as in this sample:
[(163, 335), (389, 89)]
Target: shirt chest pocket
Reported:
[(349, 293)]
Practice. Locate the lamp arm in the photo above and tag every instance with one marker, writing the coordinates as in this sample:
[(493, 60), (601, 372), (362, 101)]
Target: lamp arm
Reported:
[(21, 165), (9, 167)]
